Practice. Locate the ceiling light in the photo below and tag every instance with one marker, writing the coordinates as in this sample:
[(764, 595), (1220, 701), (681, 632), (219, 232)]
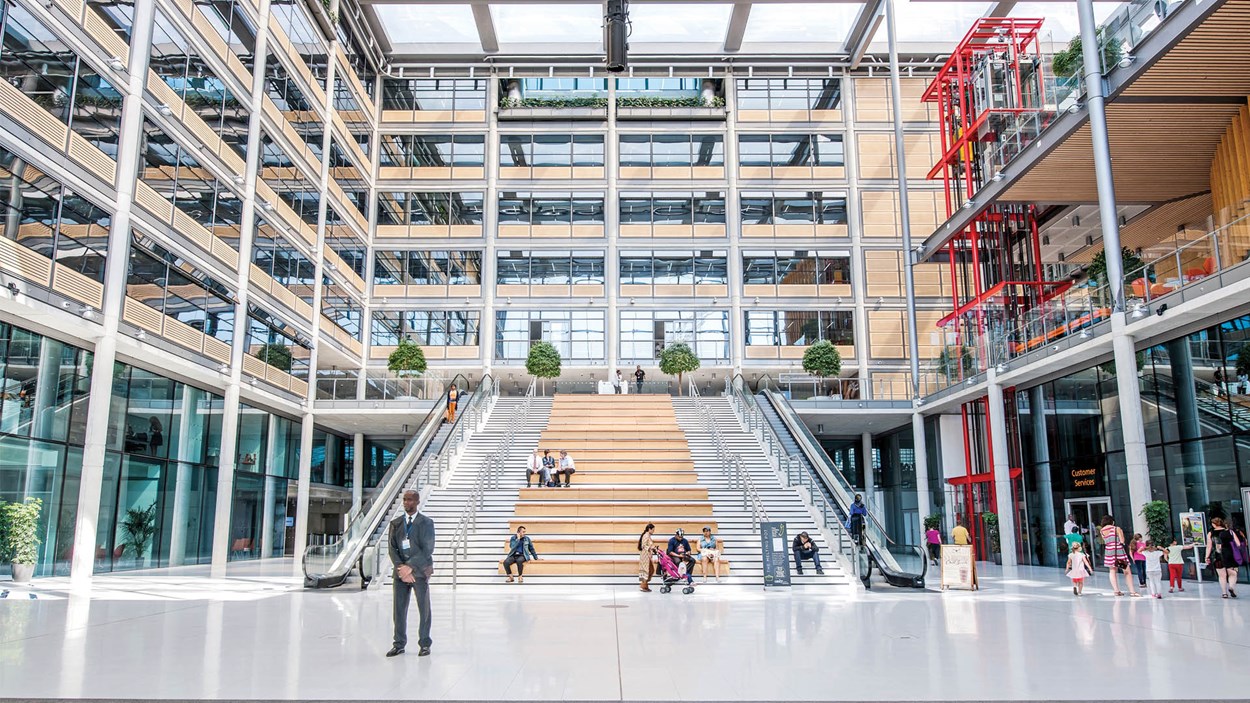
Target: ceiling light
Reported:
[(116, 64), (971, 380), (267, 206), (1086, 334), (919, 401), (224, 368), (87, 312), (969, 204), (1001, 368), (165, 110), (238, 180), (998, 177), (1139, 312), (142, 335), (1073, 108), (1127, 60)]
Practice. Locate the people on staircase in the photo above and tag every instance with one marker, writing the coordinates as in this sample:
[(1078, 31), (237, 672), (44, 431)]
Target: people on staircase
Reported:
[(805, 549), (453, 397), (710, 553), (566, 468), (537, 467), (679, 551), (855, 523), (646, 558), (617, 382), (549, 464), (520, 550)]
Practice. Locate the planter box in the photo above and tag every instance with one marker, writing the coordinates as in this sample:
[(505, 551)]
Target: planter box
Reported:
[(553, 113), (670, 113)]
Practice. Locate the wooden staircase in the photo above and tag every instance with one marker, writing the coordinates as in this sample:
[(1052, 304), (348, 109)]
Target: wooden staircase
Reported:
[(633, 467)]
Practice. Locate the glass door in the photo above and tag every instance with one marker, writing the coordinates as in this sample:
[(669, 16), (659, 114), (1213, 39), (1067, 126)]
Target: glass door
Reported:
[(1087, 513)]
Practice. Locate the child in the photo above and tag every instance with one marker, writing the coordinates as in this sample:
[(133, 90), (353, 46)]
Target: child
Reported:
[(1139, 559), (1078, 568), (1176, 566), (1153, 567)]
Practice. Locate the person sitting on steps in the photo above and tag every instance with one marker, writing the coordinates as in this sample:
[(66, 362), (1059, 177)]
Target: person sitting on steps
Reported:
[(805, 548), (537, 467), (520, 550)]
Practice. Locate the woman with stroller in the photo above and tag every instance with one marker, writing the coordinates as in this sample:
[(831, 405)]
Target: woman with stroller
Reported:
[(646, 552)]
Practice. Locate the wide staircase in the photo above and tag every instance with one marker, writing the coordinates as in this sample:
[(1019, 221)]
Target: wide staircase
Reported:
[(640, 459)]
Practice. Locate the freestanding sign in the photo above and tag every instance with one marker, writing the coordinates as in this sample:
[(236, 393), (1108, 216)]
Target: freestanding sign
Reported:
[(957, 567), (1193, 529), (775, 545)]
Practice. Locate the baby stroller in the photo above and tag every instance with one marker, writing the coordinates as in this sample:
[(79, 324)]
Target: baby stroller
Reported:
[(672, 574)]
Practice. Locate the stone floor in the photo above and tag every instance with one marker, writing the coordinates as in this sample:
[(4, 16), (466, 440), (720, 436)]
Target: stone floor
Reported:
[(177, 634)]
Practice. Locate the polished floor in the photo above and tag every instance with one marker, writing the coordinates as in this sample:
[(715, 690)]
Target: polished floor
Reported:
[(257, 635)]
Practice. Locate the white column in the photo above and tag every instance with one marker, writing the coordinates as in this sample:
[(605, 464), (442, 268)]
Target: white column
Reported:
[(238, 346), (1045, 489), (921, 456), (358, 469), (733, 228), (190, 447), (266, 510), (1131, 423), (612, 227), (870, 478), (303, 489), (1006, 503), (490, 227), (116, 268)]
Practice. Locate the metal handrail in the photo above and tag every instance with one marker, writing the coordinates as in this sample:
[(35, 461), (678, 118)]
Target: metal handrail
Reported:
[(731, 463), (487, 477)]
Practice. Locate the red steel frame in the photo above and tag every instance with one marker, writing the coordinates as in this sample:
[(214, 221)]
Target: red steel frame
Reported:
[(964, 126)]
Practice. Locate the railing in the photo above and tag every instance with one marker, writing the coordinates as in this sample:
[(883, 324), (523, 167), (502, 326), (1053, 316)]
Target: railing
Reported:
[(328, 565), (487, 477), (1192, 262), (731, 463), (382, 385)]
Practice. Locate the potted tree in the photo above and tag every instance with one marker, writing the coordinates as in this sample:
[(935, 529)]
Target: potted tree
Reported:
[(823, 359), (543, 362), (1158, 522), (275, 354), (19, 536), (1133, 266), (1068, 63), (678, 359), (955, 363), (990, 520), (933, 522), (139, 525), (407, 361)]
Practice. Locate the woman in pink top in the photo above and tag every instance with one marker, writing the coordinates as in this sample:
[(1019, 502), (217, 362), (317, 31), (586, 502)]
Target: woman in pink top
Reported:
[(1139, 559), (934, 538)]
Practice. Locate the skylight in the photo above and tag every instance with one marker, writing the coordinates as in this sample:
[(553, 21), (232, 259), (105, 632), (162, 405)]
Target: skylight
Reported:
[(1061, 22), (428, 24), (801, 22), (549, 24), (934, 22), (677, 22)]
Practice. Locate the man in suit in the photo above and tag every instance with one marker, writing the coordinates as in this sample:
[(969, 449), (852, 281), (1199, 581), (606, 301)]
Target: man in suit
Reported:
[(411, 546)]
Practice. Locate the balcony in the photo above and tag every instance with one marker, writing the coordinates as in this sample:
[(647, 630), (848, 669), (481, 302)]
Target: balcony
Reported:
[(553, 99)]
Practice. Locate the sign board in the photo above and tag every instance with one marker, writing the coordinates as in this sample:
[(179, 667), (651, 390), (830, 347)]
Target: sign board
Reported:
[(957, 567), (1194, 529), (788, 378), (290, 521), (776, 547), (1085, 479)]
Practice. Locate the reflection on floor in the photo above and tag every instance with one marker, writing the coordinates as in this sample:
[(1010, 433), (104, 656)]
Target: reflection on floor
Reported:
[(258, 635)]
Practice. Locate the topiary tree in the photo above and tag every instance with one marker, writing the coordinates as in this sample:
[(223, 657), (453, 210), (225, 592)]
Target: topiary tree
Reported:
[(678, 359), (543, 361), (275, 354), (822, 359), (407, 359), (1069, 62), (1158, 516)]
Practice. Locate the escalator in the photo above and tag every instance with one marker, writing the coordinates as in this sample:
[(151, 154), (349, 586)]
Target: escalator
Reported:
[(901, 565), (327, 566)]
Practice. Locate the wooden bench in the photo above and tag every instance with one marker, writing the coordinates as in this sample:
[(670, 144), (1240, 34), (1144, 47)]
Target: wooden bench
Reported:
[(610, 566), (614, 493), (608, 526), (571, 508), (634, 478)]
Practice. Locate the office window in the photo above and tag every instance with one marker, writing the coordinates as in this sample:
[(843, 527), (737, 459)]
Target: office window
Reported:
[(427, 267), (433, 150), (799, 327), (555, 267), (795, 268), (550, 150), (766, 207), (550, 208), (578, 335), (658, 150), (780, 150), (440, 328), (673, 267), (434, 94), (789, 93), (672, 207), (645, 333)]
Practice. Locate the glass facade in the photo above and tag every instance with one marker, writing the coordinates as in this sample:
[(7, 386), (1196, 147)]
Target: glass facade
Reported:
[(782, 150), (441, 94), (803, 208), (398, 208), (789, 328), (550, 150), (674, 267), (433, 150), (672, 150), (672, 208), (550, 208), (578, 335), (560, 267), (427, 268), (645, 333), (789, 93), (437, 328)]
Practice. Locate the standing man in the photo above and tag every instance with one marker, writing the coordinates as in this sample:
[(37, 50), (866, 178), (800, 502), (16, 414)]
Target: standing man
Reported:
[(639, 377), (617, 381), (960, 535), (411, 545)]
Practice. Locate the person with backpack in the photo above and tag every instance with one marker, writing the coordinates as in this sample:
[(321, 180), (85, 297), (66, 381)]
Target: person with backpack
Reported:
[(1224, 555)]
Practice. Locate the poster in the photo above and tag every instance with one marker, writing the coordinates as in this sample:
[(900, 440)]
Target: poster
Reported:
[(776, 548), (1193, 529), (957, 567)]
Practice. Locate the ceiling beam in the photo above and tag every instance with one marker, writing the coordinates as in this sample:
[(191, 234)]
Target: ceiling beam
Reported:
[(864, 29), (485, 28), (1001, 9), (737, 26)]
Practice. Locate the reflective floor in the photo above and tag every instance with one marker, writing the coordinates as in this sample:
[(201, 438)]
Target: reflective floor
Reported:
[(179, 635)]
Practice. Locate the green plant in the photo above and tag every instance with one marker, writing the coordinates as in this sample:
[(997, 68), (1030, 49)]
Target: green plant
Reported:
[(19, 531), (275, 354), (1068, 62), (656, 101), (139, 525), (1242, 355), (1133, 267), (956, 362), (1158, 516), (678, 359), (543, 360), (553, 103), (933, 522), (990, 520), (822, 359), (407, 359)]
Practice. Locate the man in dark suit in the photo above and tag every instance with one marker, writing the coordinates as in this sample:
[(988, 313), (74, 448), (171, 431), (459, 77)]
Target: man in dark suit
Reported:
[(411, 546)]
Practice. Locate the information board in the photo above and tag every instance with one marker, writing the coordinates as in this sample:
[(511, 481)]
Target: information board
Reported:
[(776, 548), (1193, 529), (957, 567)]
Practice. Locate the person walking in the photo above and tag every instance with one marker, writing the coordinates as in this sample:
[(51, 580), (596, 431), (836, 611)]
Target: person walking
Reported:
[(639, 377), (1138, 546), (1078, 569), (411, 546), (617, 380), (520, 550), (646, 561), (1222, 547), (1176, 566), (1153, 568), (453, 397), (934, 539), (1115, 555), (961, 536)]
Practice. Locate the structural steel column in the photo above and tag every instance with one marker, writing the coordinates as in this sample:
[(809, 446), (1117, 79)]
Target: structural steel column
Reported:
[(116, 268), (1006, 507), (1134, 431), (1045, 489), (238, 344), (904, 213)]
